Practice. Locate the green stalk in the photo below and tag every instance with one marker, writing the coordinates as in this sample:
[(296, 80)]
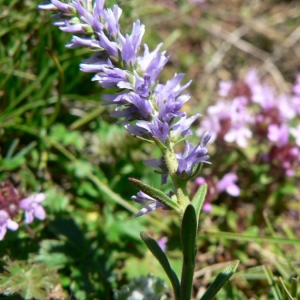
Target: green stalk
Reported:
[(180, 185)]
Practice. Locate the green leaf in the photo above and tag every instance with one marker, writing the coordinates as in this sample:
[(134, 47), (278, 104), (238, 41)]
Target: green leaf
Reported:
[(220, 281), (188, 241), (163, 260), (54, 254), (274, 286), (290, 297), (30, 280), (198, 200), (88, 117), (294, 286)]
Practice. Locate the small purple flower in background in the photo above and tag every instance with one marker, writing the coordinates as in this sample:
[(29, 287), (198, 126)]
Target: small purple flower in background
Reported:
[(227, 184), (6, 223), (238, 134), (11, 204), (162, 242), (228, 122), (278, 134), (33, 208)]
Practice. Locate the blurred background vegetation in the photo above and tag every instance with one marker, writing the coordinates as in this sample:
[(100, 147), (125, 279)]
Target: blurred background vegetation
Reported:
[(56, 137)]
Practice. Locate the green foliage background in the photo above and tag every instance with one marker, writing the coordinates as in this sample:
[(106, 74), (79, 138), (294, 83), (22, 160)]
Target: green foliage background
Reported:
[(56, 137)]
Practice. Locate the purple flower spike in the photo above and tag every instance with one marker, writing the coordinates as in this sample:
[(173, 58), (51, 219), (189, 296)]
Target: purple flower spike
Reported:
[(33, 208), (148, 109), (6, 222)]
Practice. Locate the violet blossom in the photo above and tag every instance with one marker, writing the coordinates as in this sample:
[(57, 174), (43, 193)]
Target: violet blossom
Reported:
[(162, 242), (148, 202), (278, 134), (33, 208), (226, 184), (11, 205)]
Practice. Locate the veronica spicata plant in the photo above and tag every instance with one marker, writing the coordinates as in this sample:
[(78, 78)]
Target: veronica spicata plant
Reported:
[(151, 112)]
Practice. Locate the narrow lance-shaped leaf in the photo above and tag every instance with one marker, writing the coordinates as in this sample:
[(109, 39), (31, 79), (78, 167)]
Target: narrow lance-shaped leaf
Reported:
[(163, 260), (188, 241), (220, 281), (198, 200)]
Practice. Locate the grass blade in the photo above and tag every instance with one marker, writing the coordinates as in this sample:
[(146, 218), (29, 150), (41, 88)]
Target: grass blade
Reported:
[(220, 281)]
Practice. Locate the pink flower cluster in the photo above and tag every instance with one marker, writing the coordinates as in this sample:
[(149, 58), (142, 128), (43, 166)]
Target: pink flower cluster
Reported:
[(11, 203), (250, 112)]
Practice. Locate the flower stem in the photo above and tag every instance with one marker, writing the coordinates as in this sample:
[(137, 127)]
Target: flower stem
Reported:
[(179, 184)]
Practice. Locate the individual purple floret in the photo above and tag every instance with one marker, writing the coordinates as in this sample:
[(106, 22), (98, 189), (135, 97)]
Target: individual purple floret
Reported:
[(33, 208), (192, 156), (148, 202), (187, 160)]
